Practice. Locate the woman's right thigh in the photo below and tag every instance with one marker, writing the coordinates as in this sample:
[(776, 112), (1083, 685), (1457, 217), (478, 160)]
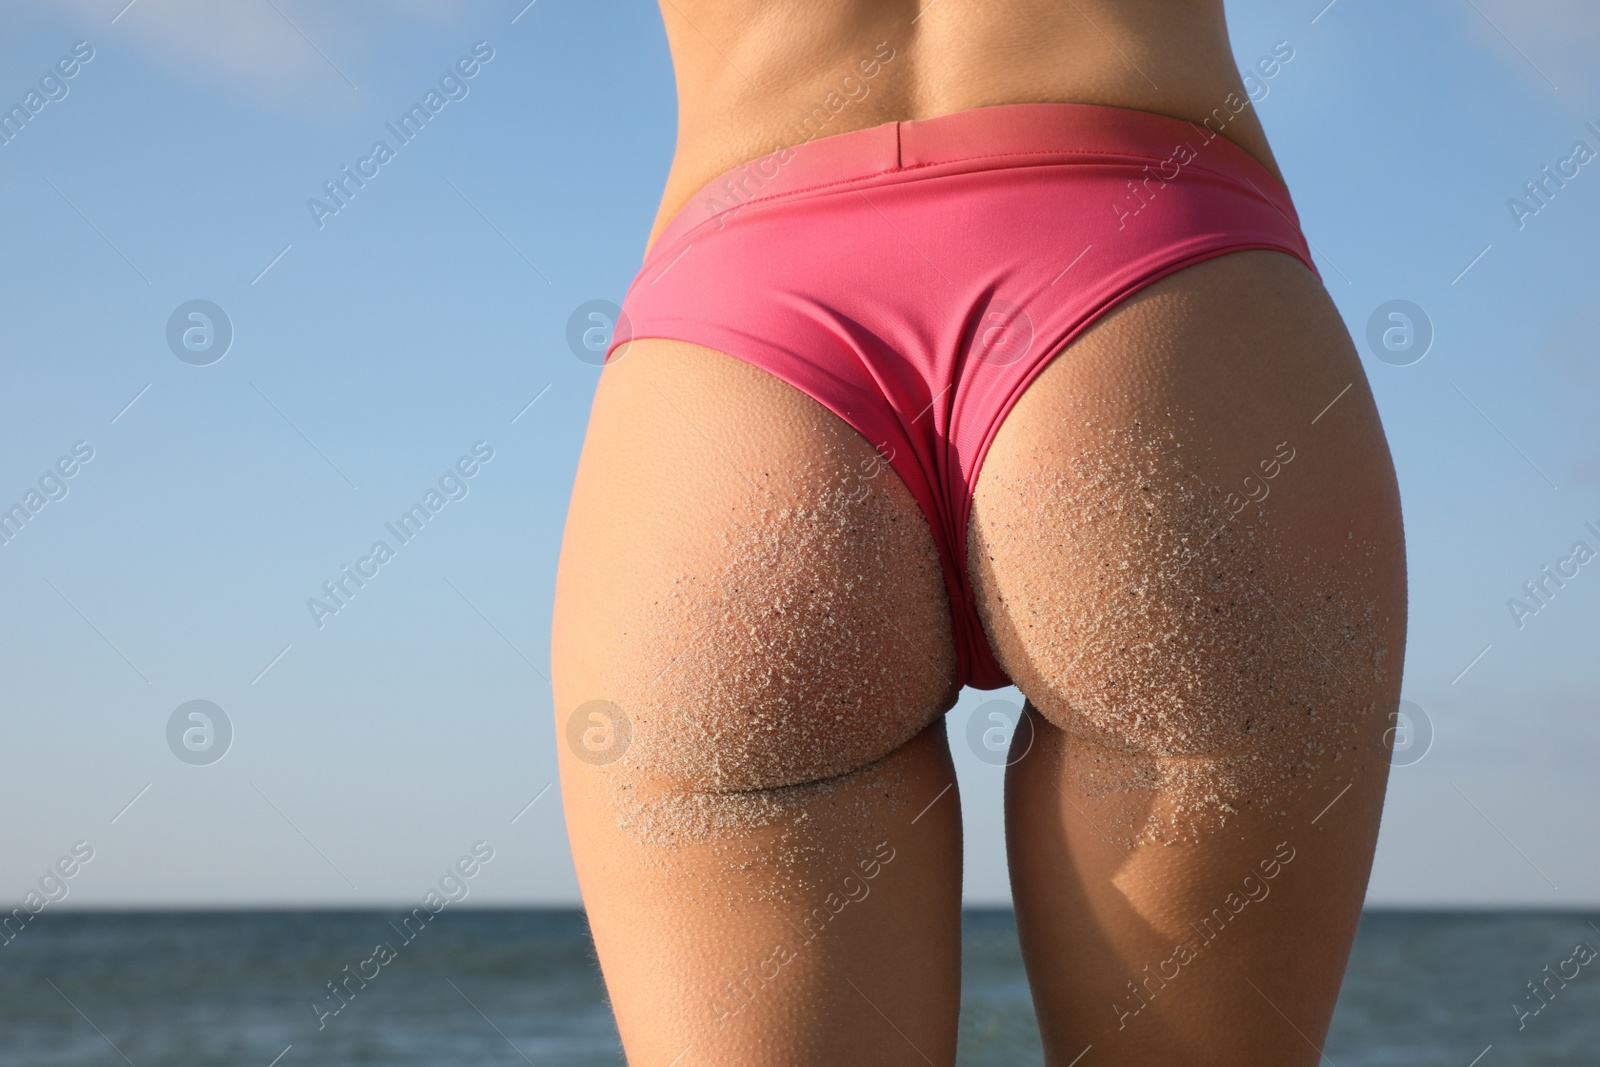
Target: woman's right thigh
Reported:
[(1187, 548), (751, 651)]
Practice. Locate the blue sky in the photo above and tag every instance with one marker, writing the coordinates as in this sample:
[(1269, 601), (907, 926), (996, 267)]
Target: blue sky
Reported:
[(371, 353)]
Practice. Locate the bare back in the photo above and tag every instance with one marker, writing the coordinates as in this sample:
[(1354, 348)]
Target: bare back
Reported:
[(757, 76)]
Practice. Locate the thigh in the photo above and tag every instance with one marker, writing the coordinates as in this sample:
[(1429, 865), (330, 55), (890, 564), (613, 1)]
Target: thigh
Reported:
[(1192, 565), (751, 651)]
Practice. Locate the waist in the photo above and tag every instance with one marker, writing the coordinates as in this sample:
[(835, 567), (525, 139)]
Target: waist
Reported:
[(1147, 149), (750, 83)]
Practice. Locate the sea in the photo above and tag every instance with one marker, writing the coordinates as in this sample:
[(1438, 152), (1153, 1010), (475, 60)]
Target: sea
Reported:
[(512, 987)]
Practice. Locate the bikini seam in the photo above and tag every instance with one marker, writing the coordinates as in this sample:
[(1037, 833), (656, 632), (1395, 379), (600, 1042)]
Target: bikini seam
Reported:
[(967, 159)]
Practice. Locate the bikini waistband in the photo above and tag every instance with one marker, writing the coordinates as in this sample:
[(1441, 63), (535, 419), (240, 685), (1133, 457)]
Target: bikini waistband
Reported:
[(985, 138)]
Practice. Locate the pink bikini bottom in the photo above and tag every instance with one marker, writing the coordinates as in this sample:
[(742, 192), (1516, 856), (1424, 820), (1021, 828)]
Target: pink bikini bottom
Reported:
[(914, 277)]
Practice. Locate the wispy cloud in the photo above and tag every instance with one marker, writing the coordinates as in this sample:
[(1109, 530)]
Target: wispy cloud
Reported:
[(1548, 42), (273, 52)]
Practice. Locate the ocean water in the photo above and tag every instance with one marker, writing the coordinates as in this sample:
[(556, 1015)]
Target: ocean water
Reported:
[(510, 987)]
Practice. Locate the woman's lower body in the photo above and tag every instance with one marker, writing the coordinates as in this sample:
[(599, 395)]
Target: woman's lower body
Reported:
[(1039, 393)]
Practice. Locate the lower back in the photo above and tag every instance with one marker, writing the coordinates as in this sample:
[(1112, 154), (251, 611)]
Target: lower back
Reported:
[(754, 77)]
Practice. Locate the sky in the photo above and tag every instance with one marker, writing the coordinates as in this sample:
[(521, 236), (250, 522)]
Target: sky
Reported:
[(343, 364)]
